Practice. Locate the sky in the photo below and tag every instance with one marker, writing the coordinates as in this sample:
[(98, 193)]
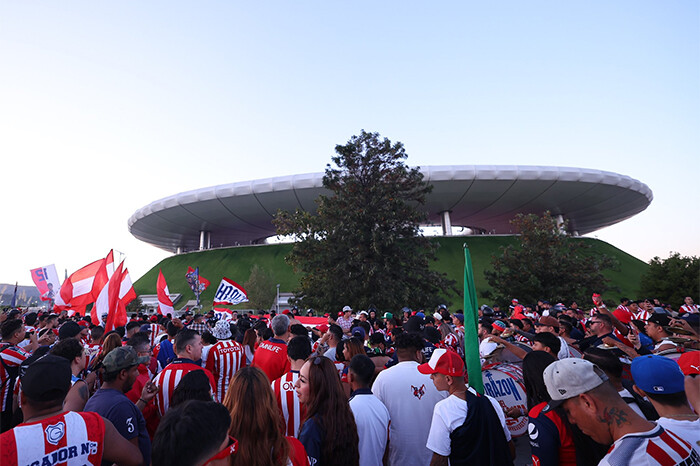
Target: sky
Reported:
[(106, 107)]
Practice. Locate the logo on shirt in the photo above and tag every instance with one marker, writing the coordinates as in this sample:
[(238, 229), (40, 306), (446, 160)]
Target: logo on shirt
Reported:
[(532, 431), (55, 432), (418, 392)]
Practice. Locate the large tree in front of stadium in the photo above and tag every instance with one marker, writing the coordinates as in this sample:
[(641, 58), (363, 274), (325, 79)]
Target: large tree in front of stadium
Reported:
[(547, 264), (364, 244)]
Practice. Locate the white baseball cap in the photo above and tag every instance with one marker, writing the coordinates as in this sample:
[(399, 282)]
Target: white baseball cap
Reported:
[(347, 309), (570, 377)]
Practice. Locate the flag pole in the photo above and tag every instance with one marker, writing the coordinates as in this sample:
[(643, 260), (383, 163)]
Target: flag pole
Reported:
[(197, 287), (471, 323)]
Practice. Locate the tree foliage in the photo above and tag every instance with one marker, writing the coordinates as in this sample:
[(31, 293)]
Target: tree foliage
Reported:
[(672, 279), (364, 245), (260, 288), (135, 305), (546, 264)]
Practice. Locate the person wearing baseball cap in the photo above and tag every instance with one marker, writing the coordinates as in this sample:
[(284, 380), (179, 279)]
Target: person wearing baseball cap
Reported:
[(661, 380), (655, 328), (345, 320), (48, 432), (467, 428), (594, 405), (690, 365), (120, 373)]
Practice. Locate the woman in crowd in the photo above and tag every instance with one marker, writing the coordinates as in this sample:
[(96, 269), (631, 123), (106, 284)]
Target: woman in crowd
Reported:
[(249, 339), (257, 423), (554, 444), (329, 432)]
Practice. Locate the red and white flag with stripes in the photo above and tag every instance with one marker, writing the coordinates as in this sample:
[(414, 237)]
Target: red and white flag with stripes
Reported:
[(108, 302), (109, 264), (165, 305), (126, 291), (82, 287)]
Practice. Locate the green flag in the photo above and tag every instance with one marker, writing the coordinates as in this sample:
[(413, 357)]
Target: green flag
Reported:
[(471, 324)]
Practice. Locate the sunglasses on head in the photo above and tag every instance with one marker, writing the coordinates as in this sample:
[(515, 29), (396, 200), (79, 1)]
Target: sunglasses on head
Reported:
[(229, 450)]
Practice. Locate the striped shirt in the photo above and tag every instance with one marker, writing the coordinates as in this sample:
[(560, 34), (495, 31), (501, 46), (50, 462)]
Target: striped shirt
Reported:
[(169, 377), (67, 438), (223, 361), (657, 447), (642, 315), (689, 309), (288, 402), (12, 357)]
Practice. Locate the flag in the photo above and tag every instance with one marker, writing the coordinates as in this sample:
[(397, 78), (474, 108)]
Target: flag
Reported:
[(46, 281), (193, 278), (109, 263), (108, 301), (81, 287), (222, 313), (97, 311), (230, 292), (471, 324), (126, 291), (165, 305), (13, 303)]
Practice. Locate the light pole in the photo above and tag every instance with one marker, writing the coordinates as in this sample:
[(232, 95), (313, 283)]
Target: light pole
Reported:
[(277, 302)]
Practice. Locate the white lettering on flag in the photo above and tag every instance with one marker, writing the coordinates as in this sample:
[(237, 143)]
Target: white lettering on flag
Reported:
[(230, 292)]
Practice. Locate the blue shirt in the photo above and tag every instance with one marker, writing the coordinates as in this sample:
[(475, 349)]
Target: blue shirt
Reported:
[(126, 417), (311, 437)]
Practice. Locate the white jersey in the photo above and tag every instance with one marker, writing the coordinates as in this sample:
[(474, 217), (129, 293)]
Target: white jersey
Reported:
[(657, 447), (410, 398), (687, 430), (223, 361), (373, 420)]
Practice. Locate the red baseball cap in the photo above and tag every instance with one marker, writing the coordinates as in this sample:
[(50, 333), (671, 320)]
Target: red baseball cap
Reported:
[(286, 311), (690, 362), (443, 362), (323, 328)]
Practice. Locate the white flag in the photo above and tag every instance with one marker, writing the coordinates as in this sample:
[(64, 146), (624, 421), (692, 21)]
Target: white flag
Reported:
[(230, 292)]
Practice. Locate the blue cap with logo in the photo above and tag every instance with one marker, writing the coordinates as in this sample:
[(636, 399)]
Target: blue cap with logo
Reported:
[(657, 374)]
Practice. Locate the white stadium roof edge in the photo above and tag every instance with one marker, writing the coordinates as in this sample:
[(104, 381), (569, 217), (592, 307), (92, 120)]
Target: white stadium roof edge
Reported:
[(482, 197)]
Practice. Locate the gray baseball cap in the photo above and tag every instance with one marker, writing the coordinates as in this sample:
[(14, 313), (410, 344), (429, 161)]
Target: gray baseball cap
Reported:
[(571, 377)]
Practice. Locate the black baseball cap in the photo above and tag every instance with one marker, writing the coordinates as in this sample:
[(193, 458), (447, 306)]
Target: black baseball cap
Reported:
[(46, 378), (69, 329)]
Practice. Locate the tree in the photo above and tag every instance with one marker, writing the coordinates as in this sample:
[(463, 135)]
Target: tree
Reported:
[(260, 288), (672, 279), (135, 305), (364, 246), (546, 264)]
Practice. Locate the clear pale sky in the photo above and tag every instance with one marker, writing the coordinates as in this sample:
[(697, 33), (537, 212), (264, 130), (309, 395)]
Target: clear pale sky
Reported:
[(108, 106)]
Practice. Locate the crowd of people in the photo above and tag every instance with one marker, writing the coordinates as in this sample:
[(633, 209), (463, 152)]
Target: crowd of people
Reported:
[(603, 386)]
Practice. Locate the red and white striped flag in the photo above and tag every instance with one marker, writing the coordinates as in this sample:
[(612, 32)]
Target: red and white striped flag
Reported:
[(81, 287), (165, 305), (109, 264), (126, 291), (109, 300)]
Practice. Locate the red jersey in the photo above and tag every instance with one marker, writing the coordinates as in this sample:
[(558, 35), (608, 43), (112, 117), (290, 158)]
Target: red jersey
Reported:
[(169, 377), (12, 357), (67, 438), (224, 360), (288, 402), (297, 453), (271, 357)]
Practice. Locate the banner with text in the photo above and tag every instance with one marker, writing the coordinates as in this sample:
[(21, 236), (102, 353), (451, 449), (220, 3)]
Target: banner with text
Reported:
[(230, 292), (46, 281)]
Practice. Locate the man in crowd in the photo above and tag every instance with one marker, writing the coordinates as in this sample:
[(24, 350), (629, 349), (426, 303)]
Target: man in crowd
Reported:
[(110, 401), (410, 398), (371, 416), (656, 331), (345, 321), (50, 435), (225, 358), (11, 357), (661, 380), (298, 350), (271, 355), (164, 351), (188, 349), (688, 307), (466, 428), (198, 324), (593, 404)]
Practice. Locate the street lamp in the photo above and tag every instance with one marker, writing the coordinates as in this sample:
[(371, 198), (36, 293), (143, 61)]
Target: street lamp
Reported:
[(277, 302)]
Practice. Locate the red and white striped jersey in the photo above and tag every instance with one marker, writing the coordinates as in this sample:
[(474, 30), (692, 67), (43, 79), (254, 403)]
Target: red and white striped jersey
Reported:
[(288, 402), (169, 377), (642, 315), (67, 438), (622, 308), (12, 357), (689, 309), (657, 447), (224, 360)]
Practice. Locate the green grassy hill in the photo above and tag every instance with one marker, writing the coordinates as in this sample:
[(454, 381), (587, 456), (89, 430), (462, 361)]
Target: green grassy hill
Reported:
[(236, 263)]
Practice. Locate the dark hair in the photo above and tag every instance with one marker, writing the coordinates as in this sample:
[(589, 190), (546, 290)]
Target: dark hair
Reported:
[(97, 332), (409, 341), (605, 319), (299, 347), (355, 346), (208, 338), (139, 339), (193, 386), (363, 369), (339, 356), (121, 331), (265, 333), (527, 321), (30, 319), (190, 433), (336, 331), (534, 365), (69, 349), (377, 339), (10, 327), (487, 326), (432, 334), (549, 340), (132, 325), (328, 407), (517, 322), (365, 326), (183, 338), (172, 329), (676, 400), (606, 360), (249, 338), (298, 329)]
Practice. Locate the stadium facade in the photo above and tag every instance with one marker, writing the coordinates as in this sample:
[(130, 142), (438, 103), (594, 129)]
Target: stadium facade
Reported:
[(482, 198)]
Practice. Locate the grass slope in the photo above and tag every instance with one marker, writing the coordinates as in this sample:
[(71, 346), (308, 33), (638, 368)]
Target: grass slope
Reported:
[(236, 263)]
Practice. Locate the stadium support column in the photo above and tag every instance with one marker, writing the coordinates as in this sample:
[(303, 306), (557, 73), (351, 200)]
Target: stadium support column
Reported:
[(204, 240), (446, 223), (560, 223)]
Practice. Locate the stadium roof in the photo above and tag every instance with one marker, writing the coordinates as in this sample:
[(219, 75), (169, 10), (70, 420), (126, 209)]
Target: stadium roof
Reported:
[(481, 197)]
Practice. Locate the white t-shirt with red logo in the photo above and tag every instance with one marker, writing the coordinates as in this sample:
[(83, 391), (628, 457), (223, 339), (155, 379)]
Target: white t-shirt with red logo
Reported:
[(655, 447)]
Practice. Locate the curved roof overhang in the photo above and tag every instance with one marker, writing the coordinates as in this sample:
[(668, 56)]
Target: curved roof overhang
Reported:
[(482, 197)]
